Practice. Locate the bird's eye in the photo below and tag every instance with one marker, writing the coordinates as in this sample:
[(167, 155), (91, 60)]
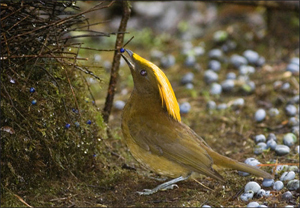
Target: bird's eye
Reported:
[(143, 72)]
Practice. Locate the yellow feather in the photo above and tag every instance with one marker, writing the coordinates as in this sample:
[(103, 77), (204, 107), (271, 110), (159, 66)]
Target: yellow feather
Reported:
[(166, 92)]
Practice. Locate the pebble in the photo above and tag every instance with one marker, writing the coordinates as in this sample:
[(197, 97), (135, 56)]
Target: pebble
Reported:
[(261, 193), (227, 85), (222, 106), (185, 107), (260, 115), (272, 136), (287, 176), (237, 60), (198, 50), (281, 168), (229, 45), (293, 185), (294, 100), (293, 121), (220, 36), (271, 144), (238, 102), (206, 206), (187, 78), (248, 87), (189, 86), (290, 110), (214, 65), (278, 185), (273, 112), (285, 86), (294, 68), (260, 147), (167, 61), (282, 150), (215, 54), (267, 182), (246, 69), (295, 130), (190, 61), (119, 104), (247, 196), (210, 76), (215, 89), (252, 161), (277, 84), (231, 75), (260, 138), (97, 58), (289, 139), (261, 61), (211, 105), (156, 54), (252, 185), (251, 56), (287, 195), (253, 204), (295, 60)]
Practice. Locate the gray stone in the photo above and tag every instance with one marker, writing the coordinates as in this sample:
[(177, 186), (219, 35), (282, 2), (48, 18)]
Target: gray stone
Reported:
[(289, 139), (282, 150), (187, 78), (231, 75), (287, 195), (278, 185), (287, 176), (227, 85), (215, 89), (252, 185), (290, 110), (210, 76), (214, 65), (260, 138), (267, 182), (251, 56), (253, 204), (247, 195), (185, 107), (260, 115), (293, 185)]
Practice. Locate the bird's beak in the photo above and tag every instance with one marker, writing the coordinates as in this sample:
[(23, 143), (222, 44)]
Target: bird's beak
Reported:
[(129, 63)]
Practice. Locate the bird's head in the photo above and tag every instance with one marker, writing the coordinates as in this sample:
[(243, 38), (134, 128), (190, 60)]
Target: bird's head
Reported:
[(151, 81)]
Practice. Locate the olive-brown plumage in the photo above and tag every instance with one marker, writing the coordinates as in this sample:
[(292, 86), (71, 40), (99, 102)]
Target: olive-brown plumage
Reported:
[(155, 135)]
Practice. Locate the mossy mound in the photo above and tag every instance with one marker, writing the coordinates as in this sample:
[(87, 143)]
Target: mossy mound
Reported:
[(49, 128)]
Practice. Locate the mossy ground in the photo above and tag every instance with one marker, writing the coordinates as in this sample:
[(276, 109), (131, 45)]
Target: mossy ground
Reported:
[(116, 176)]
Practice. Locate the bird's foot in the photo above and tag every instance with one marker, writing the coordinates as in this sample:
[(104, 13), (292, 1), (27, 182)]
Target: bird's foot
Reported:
[(152, 191)]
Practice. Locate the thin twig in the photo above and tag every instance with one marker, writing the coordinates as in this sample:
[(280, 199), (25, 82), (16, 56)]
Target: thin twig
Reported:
[(116, 62)]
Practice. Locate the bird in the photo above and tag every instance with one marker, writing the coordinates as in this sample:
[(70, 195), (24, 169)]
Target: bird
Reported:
[(158, 139)]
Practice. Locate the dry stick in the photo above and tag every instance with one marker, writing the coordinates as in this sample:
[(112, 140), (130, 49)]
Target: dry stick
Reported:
[(116, 62), (59, 22)]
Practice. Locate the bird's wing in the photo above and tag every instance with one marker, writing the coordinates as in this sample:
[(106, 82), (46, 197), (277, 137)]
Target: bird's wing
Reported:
[(175, 141)]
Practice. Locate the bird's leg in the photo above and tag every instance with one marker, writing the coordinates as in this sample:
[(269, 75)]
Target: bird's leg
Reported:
[(164, 186)]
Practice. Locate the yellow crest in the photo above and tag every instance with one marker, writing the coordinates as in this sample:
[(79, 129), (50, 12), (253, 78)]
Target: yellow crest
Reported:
[(166, 92)]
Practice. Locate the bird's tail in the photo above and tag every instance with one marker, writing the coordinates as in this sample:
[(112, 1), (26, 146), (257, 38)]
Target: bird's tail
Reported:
[(226, 162)]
